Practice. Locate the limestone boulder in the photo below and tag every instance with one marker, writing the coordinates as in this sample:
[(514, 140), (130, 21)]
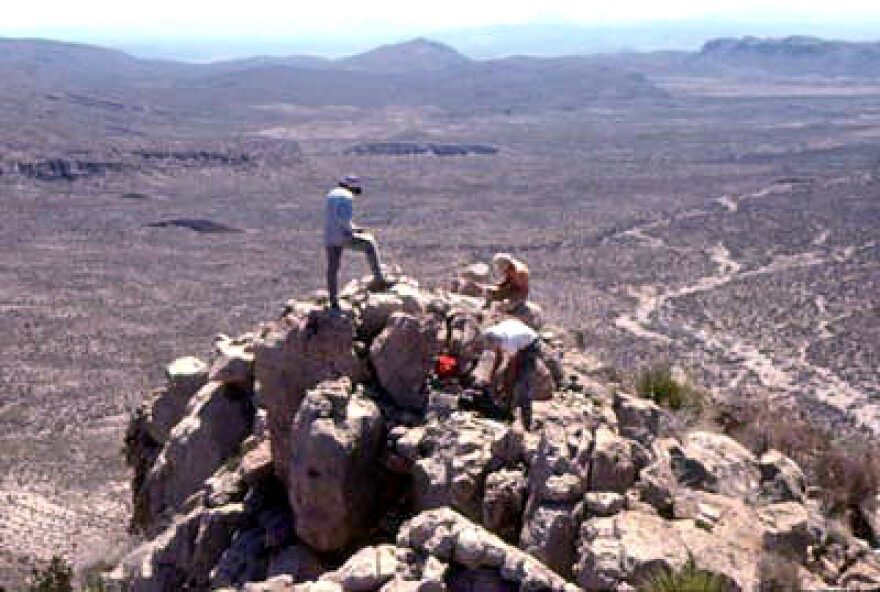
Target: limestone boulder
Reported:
[(234, 362), (218, 422), (459, 452), (366, 570), (403, 356), (245, 560), (292, 356), (256, 464), (613, 466), (373, 312), (603, 503), (184, 554), (869, 509), (165, 407), (477, 272), (787, 529), (451, 538), (782, 479), (638, 418), (558, 479), (333, 465), (503, 503), (716, 463), (861, 574), (297, 561), (624, 549)]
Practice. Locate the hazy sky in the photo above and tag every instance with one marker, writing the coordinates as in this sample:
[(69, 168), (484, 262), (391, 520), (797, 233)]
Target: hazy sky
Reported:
[(290, 17)]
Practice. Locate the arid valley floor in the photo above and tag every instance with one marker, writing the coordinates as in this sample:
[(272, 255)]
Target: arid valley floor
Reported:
[(728, 225)]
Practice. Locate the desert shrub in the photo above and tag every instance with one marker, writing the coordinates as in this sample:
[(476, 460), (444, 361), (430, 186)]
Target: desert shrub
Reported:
[(778, 574), (55, 577), (845, 465), (689, 578), (658, 383)]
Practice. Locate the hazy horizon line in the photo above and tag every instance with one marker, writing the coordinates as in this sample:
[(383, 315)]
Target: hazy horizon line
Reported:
[(680, 35)]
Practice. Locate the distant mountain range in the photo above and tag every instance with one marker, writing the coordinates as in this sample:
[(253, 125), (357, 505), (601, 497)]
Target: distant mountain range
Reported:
[(425, 72), (496, 41)]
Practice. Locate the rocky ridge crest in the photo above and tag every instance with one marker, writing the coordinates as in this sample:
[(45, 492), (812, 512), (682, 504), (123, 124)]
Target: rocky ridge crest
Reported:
[(320, 453)]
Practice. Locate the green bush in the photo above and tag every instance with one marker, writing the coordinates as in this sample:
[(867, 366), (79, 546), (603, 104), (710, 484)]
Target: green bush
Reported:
[(658, 383), (689, 578), (56, 577)]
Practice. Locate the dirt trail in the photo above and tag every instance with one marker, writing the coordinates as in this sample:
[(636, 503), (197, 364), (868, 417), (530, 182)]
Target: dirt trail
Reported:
[(782, 375)]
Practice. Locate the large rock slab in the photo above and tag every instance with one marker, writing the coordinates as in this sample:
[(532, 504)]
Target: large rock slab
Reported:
[(294, 355), (558, 479), (333, 465), (716, 463), (184, 554), (503, 503), (626, 548), (218, 421), (366, 570), (459, 452), (403, 356), (449, 537), (613, 466)]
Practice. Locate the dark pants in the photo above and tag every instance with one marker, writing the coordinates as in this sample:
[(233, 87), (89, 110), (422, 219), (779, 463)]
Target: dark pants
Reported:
[(526, 359), (364, 243)]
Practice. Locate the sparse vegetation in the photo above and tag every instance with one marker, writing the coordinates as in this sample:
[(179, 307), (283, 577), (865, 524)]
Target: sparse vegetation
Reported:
[(778, 574), (688, 578), (659, 383), (55, 577), (601, 200), (846, 466)]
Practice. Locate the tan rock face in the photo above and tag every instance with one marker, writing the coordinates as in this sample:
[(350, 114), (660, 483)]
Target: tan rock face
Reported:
[(449, 537), (460, 453), (613, 467), (333, 465), (628, 547), (717, 463), (333, 459), (218, 421), (557, 482), (294, 355), (403, 356)]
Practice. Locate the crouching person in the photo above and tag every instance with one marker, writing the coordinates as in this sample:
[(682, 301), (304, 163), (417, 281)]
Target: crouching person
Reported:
[(512, 292)]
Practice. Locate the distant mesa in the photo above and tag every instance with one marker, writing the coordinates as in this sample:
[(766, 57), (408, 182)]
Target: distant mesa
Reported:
[(59, 169), (200, 225), (796, 55), (415, 149), (410, 56), (194, 157)]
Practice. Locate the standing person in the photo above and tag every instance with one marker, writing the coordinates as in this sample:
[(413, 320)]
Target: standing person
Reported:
[(514, 338), (340, 233), (513, 289)]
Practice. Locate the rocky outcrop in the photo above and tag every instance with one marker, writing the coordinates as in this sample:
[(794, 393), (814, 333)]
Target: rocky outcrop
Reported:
[(333, 470), (403, 355), (319, 452), (292, 356), (414, 149), (219, 419)]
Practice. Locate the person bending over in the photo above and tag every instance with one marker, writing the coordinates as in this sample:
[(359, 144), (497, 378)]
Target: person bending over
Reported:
[(514, 339)]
